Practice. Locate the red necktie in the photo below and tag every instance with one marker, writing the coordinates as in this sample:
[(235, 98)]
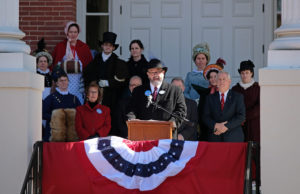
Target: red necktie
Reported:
[(222, 101), (155, 93)]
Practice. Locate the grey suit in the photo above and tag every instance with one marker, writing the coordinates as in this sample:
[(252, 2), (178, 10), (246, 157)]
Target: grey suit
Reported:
[(233, 113)]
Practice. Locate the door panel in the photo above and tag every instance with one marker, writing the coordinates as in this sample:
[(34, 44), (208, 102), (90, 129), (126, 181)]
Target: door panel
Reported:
[(164, 27)]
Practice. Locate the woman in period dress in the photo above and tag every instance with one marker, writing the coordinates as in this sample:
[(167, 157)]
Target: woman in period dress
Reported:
[(201, 57), (72, 55), (251, 91), (43, 61)]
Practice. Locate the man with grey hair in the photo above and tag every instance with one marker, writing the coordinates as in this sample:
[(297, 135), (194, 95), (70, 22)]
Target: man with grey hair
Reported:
[(185, 131), (224, 112), (134, 82)]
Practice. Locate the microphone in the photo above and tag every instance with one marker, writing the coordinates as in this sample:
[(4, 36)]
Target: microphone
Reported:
[(149, 98)]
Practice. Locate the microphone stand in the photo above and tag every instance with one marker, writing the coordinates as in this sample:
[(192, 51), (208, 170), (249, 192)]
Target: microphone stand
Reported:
[(189, 123)]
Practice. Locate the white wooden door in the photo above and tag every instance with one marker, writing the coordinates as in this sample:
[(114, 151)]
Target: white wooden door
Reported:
[(233, 29), (169, 29), (164, 27)]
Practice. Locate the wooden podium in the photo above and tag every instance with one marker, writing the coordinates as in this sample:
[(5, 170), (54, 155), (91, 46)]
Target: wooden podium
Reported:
[(149, 130)]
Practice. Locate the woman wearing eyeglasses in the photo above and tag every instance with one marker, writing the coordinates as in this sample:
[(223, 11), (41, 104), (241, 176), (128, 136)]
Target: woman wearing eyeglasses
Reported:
[(92, 118)]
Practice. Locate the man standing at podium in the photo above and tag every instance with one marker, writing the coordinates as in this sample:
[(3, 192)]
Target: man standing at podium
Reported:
[(147, 99)]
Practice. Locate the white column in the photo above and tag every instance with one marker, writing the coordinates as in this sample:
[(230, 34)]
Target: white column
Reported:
[(280, 107), (20, 100), (288, 35), (10, 34)]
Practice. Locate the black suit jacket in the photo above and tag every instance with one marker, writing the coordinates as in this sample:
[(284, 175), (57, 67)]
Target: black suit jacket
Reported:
[(233, 113), (169, 97), (187, 131)]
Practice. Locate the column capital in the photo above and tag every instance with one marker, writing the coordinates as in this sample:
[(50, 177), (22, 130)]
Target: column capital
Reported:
[(288, 34)]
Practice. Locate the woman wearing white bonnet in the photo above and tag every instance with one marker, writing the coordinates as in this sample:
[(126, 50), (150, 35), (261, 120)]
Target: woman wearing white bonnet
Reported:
[(72, 55)]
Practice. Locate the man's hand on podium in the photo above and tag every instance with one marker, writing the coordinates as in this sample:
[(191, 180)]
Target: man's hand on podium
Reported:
[(133, 119)]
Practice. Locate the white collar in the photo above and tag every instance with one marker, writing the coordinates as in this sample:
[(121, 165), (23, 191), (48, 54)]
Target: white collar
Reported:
[(43, 72), (152, 87), (105, 56), (225, 95), (247, 85), (62, 92), (197, 71)]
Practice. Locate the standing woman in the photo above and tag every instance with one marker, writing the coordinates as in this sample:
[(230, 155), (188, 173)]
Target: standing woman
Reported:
[(137, 63), (92, 118), (251, 91), (210, 73), (72, 55), (201, 57)]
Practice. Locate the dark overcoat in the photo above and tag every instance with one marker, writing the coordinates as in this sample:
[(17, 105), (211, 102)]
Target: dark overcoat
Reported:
[(114, 70)]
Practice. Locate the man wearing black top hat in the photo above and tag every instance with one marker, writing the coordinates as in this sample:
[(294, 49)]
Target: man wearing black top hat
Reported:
[(109, 72), (168, 96)]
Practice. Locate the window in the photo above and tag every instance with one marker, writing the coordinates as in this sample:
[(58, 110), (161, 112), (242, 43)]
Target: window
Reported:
[(97, 21), (278, 13)]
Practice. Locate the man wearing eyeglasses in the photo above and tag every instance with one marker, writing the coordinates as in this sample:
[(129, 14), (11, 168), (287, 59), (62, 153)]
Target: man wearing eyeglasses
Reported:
[(167, 96)]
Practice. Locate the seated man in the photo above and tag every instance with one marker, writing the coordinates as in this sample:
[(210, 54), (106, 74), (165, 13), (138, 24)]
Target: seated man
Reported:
[(58, 107), (187, 131), (163, 94), (224, 112)]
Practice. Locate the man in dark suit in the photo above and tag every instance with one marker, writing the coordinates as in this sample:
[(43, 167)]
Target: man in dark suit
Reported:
[(164, 94), (224, 112), (187, 131)]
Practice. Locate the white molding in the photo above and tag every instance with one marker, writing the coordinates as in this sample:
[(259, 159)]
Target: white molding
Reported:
[(81, 19)]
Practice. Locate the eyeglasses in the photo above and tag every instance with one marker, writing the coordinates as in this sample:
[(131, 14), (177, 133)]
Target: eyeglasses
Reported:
[(155, 72)]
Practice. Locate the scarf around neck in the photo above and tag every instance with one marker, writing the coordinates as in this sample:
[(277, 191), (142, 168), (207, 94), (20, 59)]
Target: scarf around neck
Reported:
[(247, 85)]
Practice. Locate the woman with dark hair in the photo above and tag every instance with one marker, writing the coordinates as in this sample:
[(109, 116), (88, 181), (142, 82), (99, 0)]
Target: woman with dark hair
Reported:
[(92, 118), (210, 73), (251, 91), (72, 55), (137, 63)]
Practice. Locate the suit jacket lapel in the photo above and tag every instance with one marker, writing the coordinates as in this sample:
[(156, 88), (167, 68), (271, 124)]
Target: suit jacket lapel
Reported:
[(162, 88), (228, 100)]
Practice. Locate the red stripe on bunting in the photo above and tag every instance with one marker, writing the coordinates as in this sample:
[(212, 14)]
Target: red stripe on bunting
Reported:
[(140, 146)]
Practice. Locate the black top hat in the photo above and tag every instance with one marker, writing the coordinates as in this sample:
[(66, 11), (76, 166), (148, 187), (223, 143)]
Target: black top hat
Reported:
[(109, 37), (246, 65), (155, 63)]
